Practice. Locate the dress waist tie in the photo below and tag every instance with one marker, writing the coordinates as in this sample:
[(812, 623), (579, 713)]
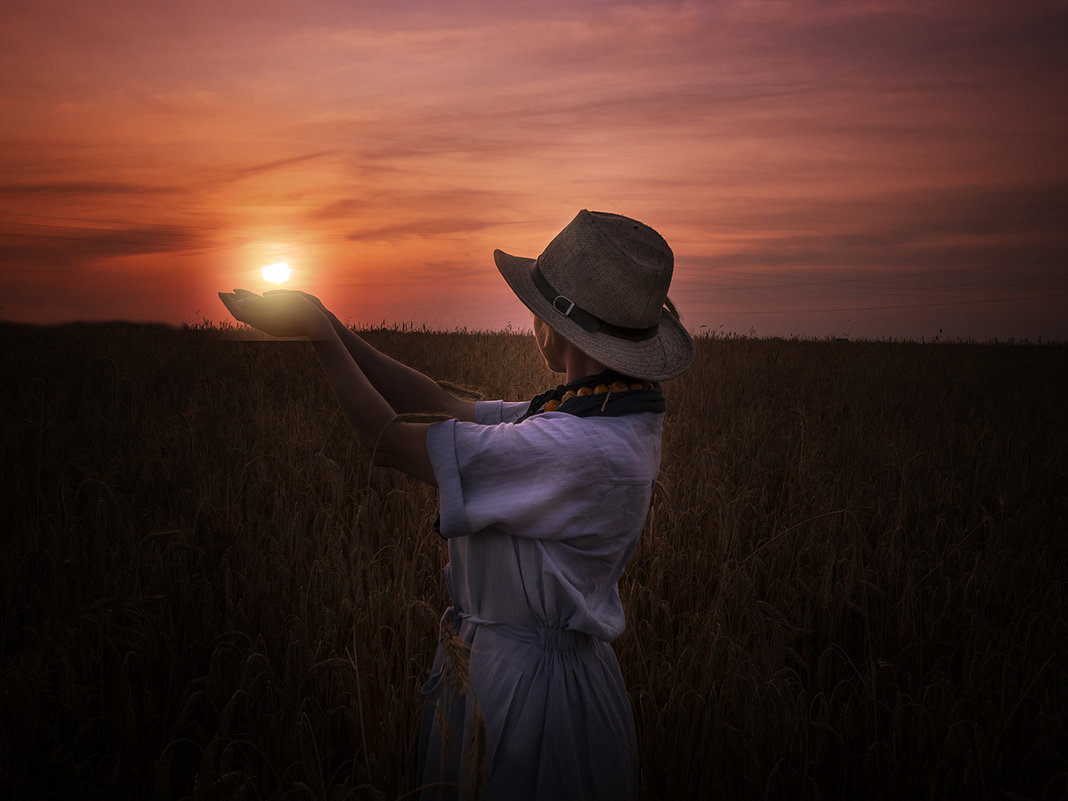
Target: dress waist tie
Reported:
[(548, 638)]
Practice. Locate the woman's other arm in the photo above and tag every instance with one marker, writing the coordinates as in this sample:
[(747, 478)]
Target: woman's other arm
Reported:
[(405, 389), (395, 444)]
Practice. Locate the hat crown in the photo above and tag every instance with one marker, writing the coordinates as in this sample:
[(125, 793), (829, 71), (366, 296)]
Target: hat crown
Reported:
[(613, 267)]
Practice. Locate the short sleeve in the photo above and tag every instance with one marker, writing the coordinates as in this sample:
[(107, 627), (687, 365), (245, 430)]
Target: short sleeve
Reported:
[(536, 478), (493, 412)]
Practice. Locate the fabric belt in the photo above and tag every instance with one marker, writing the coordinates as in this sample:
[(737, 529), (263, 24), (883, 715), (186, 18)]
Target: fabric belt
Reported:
[(548, 638)]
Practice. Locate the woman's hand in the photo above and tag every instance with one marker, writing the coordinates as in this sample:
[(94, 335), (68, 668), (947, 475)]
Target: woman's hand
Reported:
[(280, 314), (312, 299), (306, 295)]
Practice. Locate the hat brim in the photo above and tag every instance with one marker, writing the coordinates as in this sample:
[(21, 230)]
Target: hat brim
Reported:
[(666, 355)]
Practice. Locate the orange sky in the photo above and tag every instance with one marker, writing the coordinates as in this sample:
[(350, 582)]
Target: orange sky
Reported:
[(865, 169)]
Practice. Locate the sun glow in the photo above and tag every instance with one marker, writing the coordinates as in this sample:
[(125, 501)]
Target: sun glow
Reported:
[(277, 273)]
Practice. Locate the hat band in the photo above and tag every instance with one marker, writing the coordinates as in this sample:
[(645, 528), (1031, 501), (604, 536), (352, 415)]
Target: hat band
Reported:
[(587, 321)]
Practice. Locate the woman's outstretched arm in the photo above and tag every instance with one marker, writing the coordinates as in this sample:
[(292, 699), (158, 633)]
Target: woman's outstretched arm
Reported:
[(394, 444), (405, 389), (401, 445)]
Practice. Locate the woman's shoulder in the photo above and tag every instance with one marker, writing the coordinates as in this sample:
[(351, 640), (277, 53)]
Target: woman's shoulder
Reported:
[(616, 449), (549, 455)]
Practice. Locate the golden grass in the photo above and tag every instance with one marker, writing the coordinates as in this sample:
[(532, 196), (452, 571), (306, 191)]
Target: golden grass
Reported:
[(852, 582)]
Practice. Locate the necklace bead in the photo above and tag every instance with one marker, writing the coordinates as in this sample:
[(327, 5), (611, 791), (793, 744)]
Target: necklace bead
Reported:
[(599, 389)]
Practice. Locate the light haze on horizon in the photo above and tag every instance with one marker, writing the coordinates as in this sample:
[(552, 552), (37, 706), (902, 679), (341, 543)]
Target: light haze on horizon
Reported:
[(865, 169)]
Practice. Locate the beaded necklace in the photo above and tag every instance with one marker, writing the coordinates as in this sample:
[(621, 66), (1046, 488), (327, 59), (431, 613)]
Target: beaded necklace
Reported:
[(607, 394), (552, 404)]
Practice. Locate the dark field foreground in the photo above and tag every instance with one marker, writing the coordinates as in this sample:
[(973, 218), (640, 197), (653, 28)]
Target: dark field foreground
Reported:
[(851, 585)]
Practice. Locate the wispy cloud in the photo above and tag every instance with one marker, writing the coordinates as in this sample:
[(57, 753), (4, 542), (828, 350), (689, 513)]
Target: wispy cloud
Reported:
[(84, 191), (279, 164), (26, 243)]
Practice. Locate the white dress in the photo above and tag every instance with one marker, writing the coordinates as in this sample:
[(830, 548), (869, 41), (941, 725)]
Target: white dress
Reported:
[(541, 517)]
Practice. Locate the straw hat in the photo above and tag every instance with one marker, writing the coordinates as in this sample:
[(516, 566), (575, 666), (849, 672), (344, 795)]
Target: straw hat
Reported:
[(602, 283)]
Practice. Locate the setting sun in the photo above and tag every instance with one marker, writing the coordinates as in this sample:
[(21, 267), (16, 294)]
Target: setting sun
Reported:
[(277, 273)]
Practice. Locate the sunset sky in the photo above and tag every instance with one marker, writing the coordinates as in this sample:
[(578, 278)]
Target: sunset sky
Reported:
[(866, 169)]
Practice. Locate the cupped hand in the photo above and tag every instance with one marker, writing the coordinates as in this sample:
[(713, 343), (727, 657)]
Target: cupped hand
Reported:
[(280, 314), (306, 295)]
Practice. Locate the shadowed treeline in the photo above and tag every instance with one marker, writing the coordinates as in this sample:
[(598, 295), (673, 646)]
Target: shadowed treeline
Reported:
[(851, 583)]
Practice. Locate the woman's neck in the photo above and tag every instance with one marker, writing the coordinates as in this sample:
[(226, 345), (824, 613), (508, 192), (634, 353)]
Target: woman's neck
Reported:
[(579, 365)]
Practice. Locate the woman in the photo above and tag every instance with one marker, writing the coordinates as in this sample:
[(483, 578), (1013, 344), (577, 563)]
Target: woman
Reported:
[(541, 503)]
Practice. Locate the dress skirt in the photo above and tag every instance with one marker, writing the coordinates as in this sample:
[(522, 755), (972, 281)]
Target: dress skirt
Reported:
[(535, 714)]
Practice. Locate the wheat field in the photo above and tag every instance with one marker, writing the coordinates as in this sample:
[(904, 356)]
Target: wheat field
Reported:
[(851, 583)]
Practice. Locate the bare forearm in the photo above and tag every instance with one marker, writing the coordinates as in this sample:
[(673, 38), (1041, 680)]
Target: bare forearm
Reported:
[(395, 444), (366, 408), (366, 382), (404, 388)]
